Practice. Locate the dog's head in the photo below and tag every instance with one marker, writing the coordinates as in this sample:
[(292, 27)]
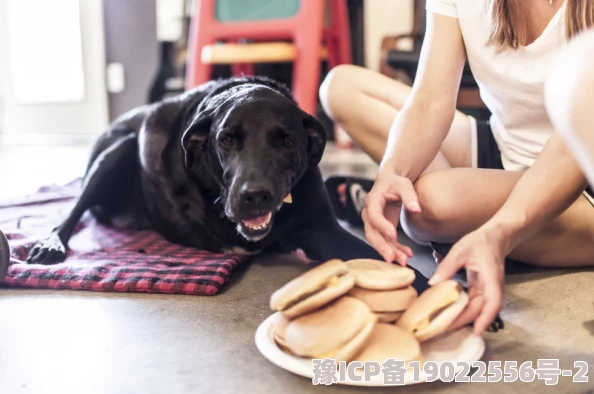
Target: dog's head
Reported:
[(256, 143)]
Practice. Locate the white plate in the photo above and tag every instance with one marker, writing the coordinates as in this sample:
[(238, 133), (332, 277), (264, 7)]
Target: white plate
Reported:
[(455, 347)]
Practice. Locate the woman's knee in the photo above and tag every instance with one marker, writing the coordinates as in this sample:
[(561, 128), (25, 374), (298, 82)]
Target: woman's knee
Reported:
[(436, 216), (336, 88)]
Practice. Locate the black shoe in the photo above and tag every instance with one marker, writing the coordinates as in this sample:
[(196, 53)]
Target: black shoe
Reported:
[(349, 207)]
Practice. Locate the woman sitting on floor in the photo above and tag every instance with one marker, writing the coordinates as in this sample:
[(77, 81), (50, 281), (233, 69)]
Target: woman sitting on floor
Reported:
[(504, 188)]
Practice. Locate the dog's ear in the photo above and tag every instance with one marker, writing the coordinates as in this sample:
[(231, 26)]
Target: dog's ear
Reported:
[(316, 139), (195, 137)]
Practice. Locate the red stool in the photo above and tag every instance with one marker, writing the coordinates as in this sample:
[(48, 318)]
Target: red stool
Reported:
[(309, 42), (337, 34)]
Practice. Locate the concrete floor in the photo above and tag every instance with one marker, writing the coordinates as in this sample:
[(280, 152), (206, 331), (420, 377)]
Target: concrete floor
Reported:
[(80, 342)]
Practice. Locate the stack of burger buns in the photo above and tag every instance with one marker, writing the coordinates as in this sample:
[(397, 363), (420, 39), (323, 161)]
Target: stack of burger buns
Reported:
[(385, 288), (361, 310)]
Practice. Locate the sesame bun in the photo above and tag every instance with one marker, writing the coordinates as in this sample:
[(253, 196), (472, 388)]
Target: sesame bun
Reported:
[(388, 341), (379, 275), (434, 310), (337, 331), (313, 289), (386, 300), (388, 317)]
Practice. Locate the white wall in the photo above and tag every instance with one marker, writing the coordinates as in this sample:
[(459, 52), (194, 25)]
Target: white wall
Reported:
[(63, 122), (169, 19), (383, 18)]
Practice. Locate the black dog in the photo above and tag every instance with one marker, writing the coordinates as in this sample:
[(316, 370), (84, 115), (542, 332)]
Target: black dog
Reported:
[(210, 169)]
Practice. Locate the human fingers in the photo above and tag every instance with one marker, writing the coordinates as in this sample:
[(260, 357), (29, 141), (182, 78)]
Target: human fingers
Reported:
[(405, 249), (408, 195), (392, 210), (376, 240), (400, 256), (450, 265), (469, 314), (375, 204), (475, 304), (493, 299)]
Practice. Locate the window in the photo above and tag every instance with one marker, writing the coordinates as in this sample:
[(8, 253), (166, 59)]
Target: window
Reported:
[(45, 51)]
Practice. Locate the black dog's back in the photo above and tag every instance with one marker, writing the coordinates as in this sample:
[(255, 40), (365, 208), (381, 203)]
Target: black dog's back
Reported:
[(122, 205)]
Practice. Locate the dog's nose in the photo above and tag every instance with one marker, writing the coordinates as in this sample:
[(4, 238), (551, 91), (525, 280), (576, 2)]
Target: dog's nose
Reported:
[(256, 196)]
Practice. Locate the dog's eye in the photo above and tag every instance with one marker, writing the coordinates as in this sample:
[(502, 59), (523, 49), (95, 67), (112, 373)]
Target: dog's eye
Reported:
[(227, 141), (288, 142)]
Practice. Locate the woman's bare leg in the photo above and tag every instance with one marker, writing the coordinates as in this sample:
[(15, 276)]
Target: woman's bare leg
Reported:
[(457, 201), (454, 201), (364, 103)]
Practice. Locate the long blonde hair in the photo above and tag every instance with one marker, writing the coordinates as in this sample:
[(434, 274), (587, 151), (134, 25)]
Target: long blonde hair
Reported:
[(508, 28)]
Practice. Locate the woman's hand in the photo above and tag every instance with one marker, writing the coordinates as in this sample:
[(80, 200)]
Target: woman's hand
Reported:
[(381, 214), (482, 254)]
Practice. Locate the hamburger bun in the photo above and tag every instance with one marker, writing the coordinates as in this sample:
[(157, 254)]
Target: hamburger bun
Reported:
[(434, 310), (388, 317), (379, 275), (337, 331), (390, 341), (386, 300), (279, 328), (313, 289)]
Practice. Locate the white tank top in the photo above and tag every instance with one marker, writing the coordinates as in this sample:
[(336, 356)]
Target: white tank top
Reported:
[(511, 82)]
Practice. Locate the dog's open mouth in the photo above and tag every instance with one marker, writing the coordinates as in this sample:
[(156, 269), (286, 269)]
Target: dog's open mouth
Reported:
[(254, 229), (258, 223)]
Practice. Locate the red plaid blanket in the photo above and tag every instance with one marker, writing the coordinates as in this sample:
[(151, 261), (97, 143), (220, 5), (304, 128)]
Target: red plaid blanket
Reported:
[(105, 259)]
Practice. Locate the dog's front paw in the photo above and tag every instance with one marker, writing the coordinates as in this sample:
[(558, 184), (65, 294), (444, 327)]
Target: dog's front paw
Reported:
[(48, 251)]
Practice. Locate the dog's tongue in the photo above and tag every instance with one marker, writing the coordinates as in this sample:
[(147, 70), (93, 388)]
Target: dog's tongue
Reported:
[(259, 221)]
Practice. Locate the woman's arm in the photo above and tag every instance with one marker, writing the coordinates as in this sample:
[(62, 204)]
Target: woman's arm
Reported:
[(569, 94), (423, 123), (545, 190), (416, 135)]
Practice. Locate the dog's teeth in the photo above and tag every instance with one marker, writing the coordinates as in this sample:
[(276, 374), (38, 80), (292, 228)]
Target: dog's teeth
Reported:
[(260, 224)]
